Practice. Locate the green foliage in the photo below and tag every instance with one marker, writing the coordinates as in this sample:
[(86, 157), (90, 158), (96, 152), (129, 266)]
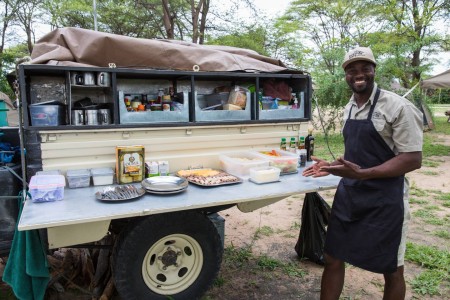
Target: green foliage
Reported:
[(428, 217), (268, 263), (252, 38), (442, 234), (237, 256), (437, 263), (335, 142)]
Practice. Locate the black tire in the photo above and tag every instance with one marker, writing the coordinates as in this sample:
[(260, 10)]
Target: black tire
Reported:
[(167, 256)]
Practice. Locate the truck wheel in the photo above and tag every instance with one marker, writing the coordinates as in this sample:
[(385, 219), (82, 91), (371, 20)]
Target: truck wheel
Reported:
[(172, 255)]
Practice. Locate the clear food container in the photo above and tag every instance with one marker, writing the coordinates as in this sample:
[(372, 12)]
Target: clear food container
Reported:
[(287, 162), (102, 176), (264, 174), (239, 163), (78, 178), (47, 188)]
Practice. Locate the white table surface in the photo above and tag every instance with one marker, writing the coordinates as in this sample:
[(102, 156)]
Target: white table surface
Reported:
[(81, 206)]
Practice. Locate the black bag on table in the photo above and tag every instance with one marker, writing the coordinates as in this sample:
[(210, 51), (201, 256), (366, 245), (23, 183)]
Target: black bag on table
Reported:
[(311, 240)]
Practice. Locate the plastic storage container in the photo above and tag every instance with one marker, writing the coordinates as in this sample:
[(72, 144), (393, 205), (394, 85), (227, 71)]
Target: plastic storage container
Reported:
[(47, 188), (78, 178), (47, 115), (264, 174), (287, 162), (239, 163), (49, 172), (102, 176)]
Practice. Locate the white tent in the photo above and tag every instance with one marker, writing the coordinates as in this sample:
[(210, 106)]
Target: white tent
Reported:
[(440, 81)]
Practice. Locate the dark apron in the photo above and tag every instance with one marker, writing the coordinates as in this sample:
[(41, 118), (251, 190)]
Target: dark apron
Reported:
[(366, 219)]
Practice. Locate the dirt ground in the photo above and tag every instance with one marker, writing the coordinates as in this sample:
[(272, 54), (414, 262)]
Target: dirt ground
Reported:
[(282, 220)]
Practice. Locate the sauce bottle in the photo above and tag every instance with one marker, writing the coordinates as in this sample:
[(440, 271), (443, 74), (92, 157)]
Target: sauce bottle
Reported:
[(309, 145)]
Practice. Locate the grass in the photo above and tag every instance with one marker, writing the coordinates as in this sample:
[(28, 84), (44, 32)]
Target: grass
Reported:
[(428, 217), (437, 264), (442, 234)]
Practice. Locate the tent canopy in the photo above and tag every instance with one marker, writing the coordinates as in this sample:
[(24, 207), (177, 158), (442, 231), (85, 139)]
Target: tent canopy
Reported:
[(82, 47), (440, 81)]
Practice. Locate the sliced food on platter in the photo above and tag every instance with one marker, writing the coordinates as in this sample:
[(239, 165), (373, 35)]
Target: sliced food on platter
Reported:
[(208, 177)]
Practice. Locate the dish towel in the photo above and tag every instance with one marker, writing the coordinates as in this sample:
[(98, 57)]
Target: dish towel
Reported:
[(26, 270)]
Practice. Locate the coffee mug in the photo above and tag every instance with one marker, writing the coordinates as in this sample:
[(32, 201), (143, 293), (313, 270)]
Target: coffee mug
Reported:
[(103, 79), (91, 116), (104, 116), (77, 117), (89, 78), (77, 79)]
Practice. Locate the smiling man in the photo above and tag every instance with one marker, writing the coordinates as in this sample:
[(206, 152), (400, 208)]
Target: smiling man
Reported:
[(383, 135)]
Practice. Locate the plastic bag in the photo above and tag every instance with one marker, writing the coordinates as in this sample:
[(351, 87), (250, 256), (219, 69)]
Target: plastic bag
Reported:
[(238, 96), (311, 240)]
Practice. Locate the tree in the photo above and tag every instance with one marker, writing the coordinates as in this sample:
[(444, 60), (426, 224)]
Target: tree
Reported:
[(410, 35)]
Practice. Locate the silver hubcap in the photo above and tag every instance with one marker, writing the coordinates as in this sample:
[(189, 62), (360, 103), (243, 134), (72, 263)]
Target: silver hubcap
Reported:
[(172, 264)]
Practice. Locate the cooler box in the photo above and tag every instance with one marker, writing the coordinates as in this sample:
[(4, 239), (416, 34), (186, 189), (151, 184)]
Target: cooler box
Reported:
[(47, 115)]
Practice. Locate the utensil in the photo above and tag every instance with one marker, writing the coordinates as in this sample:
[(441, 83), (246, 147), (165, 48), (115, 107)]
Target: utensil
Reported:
[(103, 79), (89, 78)]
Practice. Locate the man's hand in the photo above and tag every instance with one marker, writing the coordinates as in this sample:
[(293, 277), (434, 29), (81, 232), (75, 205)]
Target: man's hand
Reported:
[(343, 168), (315, 169)]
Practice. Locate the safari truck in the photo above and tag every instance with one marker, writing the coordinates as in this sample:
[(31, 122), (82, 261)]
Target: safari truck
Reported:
[(76, 115)]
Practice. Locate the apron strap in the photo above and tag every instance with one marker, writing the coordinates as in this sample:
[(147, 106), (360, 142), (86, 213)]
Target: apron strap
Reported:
[(375, 100)]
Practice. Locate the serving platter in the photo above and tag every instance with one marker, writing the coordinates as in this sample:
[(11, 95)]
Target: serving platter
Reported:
[(119, 193), (164, 184), (209, 177)]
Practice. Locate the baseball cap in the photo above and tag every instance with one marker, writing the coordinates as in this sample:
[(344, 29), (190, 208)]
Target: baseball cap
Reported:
[(359, 53)]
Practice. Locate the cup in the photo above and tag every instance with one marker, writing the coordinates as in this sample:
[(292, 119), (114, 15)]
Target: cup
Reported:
[(91, 116), (89, 78), (77, 117), (104, 116), (77, 79), (103, 79)]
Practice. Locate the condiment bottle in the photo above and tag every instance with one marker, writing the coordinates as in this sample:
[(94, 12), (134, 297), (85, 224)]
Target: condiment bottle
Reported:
[(309, 145), (302, 157), (301, 142), (283, 144), (160, 96), (292, 145)]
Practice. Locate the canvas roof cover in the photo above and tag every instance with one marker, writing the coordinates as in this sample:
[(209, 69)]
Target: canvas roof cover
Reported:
[(440, 81), (82, 47)]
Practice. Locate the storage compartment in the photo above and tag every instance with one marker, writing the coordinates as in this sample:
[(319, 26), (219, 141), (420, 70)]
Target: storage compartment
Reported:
[(287, 162), (204, 113), (153, 98), (271, 110), (264, 174), (47, 188), (102, 176), (48, 114), (78, 178), (239, 163)]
